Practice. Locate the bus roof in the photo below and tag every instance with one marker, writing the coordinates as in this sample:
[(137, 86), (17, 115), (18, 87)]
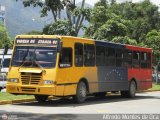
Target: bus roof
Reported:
[(102, 42)]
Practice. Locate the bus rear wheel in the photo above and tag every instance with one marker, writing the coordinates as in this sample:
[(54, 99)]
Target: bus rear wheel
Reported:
[(41, 98), (131, 92), (81, 92)]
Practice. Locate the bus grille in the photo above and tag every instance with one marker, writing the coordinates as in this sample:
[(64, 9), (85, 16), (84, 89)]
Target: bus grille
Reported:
[(25, 89), (30, 78)]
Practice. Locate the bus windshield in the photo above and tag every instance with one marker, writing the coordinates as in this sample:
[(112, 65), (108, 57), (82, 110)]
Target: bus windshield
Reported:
[(33, 56)]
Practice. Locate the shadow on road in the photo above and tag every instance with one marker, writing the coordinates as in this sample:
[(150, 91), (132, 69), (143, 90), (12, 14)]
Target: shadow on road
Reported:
[(89, 101)]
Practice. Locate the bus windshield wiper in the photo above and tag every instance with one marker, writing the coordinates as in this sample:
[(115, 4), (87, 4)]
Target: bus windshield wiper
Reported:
[(24, 58), (34, 60)]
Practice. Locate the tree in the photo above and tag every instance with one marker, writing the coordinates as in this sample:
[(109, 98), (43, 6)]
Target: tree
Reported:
[(144, 16), (33, 32), (4, 38), (106, 25), (111, 29), (75, 15), (61, 27), (124, 40), (153, 41)]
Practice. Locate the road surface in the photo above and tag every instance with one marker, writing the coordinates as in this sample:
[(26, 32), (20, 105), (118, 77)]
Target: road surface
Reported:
[(148, 102)]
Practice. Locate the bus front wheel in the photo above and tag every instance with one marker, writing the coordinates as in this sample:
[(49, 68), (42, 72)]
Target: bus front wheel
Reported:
[(81, 92), (131, 92), (41, 98)]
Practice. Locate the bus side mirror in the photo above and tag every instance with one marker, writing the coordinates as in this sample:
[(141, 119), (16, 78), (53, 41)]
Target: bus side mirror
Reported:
[(5, 47), (59, 48)]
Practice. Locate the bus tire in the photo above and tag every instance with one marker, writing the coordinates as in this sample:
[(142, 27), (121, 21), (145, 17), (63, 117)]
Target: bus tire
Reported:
[(41, 98), (131, 92), (132, 89), (100, 94), (81, 92)]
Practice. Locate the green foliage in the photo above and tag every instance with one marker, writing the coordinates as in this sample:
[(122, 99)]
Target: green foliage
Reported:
[(102, 3), (61, 27), (33, 32), (124, 40), (111, 29), (8, 97), (153, 41), (4, 38), (142, 18)]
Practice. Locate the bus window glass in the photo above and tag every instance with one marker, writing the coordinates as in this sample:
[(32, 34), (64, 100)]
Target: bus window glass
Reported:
[(143, 60), (79, 54), (149, 60), (119, 57), (110, 56), (66, 58), (128, 58), (89, 55), (32, 56), (100, 55), (136, 59)]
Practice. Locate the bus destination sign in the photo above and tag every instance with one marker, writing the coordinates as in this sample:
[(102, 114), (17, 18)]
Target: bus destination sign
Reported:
[(36, 41)]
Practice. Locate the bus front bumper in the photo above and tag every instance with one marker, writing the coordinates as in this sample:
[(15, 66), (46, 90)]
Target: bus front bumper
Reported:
[(28, 89)]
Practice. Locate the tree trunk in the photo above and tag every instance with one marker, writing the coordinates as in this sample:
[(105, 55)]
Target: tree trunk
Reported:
[(78, 22), (54, 15), (68, 14)]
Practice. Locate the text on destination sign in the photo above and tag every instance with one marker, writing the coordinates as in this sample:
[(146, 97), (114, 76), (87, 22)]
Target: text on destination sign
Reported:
[(37, 41)]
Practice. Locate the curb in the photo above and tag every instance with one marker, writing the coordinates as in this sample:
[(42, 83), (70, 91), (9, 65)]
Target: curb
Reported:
[(149, 91), (21, 100), (16, 101)]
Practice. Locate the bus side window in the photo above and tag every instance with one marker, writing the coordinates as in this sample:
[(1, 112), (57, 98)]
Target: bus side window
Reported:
[(100, 55), (143, 60), (65, 58), (128, 58), (119, 57), (89, 55), (136, 59), (148, 60), (78, 54), (110, 56)]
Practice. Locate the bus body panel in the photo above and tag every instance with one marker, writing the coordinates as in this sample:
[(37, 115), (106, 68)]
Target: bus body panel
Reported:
[(69, 77), (143, 76)]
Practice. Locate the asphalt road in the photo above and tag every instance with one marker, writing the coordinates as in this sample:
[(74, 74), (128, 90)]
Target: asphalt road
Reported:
[(148, 102)]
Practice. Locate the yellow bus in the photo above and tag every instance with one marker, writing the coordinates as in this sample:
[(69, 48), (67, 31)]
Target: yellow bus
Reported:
[(52, 65)]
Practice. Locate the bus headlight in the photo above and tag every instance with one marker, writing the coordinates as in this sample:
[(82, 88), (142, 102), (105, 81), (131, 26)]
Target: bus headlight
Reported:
[(14, 80), (48, 82)]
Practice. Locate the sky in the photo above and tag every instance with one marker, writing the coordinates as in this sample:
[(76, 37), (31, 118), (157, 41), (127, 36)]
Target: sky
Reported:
[(92, 2)]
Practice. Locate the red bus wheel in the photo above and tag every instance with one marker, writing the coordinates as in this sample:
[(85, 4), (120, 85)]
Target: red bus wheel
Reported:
[(131, 92), (132, 89)]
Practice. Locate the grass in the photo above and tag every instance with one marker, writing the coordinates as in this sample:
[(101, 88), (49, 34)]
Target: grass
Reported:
[(155, 87), (7, 96)]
